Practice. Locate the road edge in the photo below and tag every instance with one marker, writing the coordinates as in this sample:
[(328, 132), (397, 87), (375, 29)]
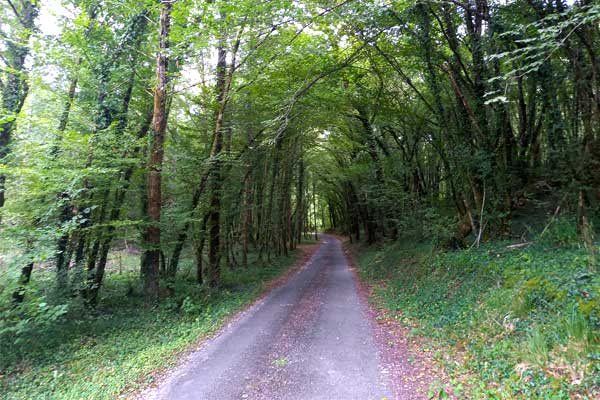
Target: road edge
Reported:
[(160, 375), (423, 378)]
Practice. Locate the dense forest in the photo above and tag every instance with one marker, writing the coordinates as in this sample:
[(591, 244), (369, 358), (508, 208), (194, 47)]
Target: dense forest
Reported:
[(197, 140)]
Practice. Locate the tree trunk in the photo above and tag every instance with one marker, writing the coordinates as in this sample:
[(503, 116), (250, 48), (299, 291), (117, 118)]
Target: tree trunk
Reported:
[(300, 200), (214, 180), (246, 219), (159, 123)]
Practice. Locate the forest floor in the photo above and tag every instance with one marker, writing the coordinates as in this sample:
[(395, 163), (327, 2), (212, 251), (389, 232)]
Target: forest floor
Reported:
[(122, 346)]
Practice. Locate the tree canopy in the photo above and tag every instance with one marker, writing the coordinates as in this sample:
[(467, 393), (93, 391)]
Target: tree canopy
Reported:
[(210, 129)]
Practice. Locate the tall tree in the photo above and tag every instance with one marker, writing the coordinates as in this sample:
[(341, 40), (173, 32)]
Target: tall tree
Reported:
[(152, 236), (14, 84)]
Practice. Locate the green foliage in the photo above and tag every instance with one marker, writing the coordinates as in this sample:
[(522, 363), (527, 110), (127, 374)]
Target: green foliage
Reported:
[(21, 325), (433, 120), (438, 228), (562, 233), (527, 320), (537, 41)]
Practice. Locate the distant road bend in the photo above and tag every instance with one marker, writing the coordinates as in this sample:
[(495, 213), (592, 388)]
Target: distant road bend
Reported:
[(308, 339)]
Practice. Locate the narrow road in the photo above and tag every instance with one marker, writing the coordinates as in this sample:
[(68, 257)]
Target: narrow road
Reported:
[(308, 339)]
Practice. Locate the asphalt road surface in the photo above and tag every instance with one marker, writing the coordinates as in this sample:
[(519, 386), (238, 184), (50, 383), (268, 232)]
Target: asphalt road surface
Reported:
[(308, 339)]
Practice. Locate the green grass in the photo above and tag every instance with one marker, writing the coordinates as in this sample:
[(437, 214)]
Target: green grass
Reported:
[(526, 321), (117, 348)]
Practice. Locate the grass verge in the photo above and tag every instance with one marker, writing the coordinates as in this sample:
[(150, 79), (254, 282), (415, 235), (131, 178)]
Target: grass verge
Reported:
[(526, 321)]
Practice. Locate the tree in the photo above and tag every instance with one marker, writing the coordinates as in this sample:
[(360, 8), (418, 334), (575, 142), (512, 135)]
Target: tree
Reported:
[(151, 260), (14, 84)]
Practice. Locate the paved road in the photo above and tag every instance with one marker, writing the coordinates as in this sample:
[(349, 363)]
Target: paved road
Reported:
[(308, 339)]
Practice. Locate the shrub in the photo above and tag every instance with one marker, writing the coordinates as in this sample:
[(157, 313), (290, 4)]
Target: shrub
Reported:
[(561, 233)]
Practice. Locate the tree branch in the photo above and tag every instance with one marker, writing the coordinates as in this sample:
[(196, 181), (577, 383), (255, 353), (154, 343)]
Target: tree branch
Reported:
[(17, 14), (285, 117)]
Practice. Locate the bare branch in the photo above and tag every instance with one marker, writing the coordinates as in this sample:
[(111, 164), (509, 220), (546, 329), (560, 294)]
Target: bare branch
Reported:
[(17, 14), (14, 8)]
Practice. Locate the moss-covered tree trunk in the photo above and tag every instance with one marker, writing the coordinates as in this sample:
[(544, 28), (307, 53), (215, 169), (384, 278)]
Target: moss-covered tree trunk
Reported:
[(151, 266)]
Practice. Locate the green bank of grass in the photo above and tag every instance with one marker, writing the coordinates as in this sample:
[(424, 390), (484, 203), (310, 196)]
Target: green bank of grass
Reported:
[(115, 349), (526, 320)]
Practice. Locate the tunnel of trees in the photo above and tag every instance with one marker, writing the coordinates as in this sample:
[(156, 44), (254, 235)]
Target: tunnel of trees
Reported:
[(212, 129)]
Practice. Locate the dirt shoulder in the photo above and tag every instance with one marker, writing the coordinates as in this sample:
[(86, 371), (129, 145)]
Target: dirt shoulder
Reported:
[(410, 360)]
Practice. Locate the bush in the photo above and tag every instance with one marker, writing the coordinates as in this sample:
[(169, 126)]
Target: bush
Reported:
[(438, 228), (561, 233), (23, 323)]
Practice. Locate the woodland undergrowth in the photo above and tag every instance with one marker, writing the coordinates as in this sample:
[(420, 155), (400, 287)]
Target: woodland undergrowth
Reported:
[(526, 320), (65, 351)]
